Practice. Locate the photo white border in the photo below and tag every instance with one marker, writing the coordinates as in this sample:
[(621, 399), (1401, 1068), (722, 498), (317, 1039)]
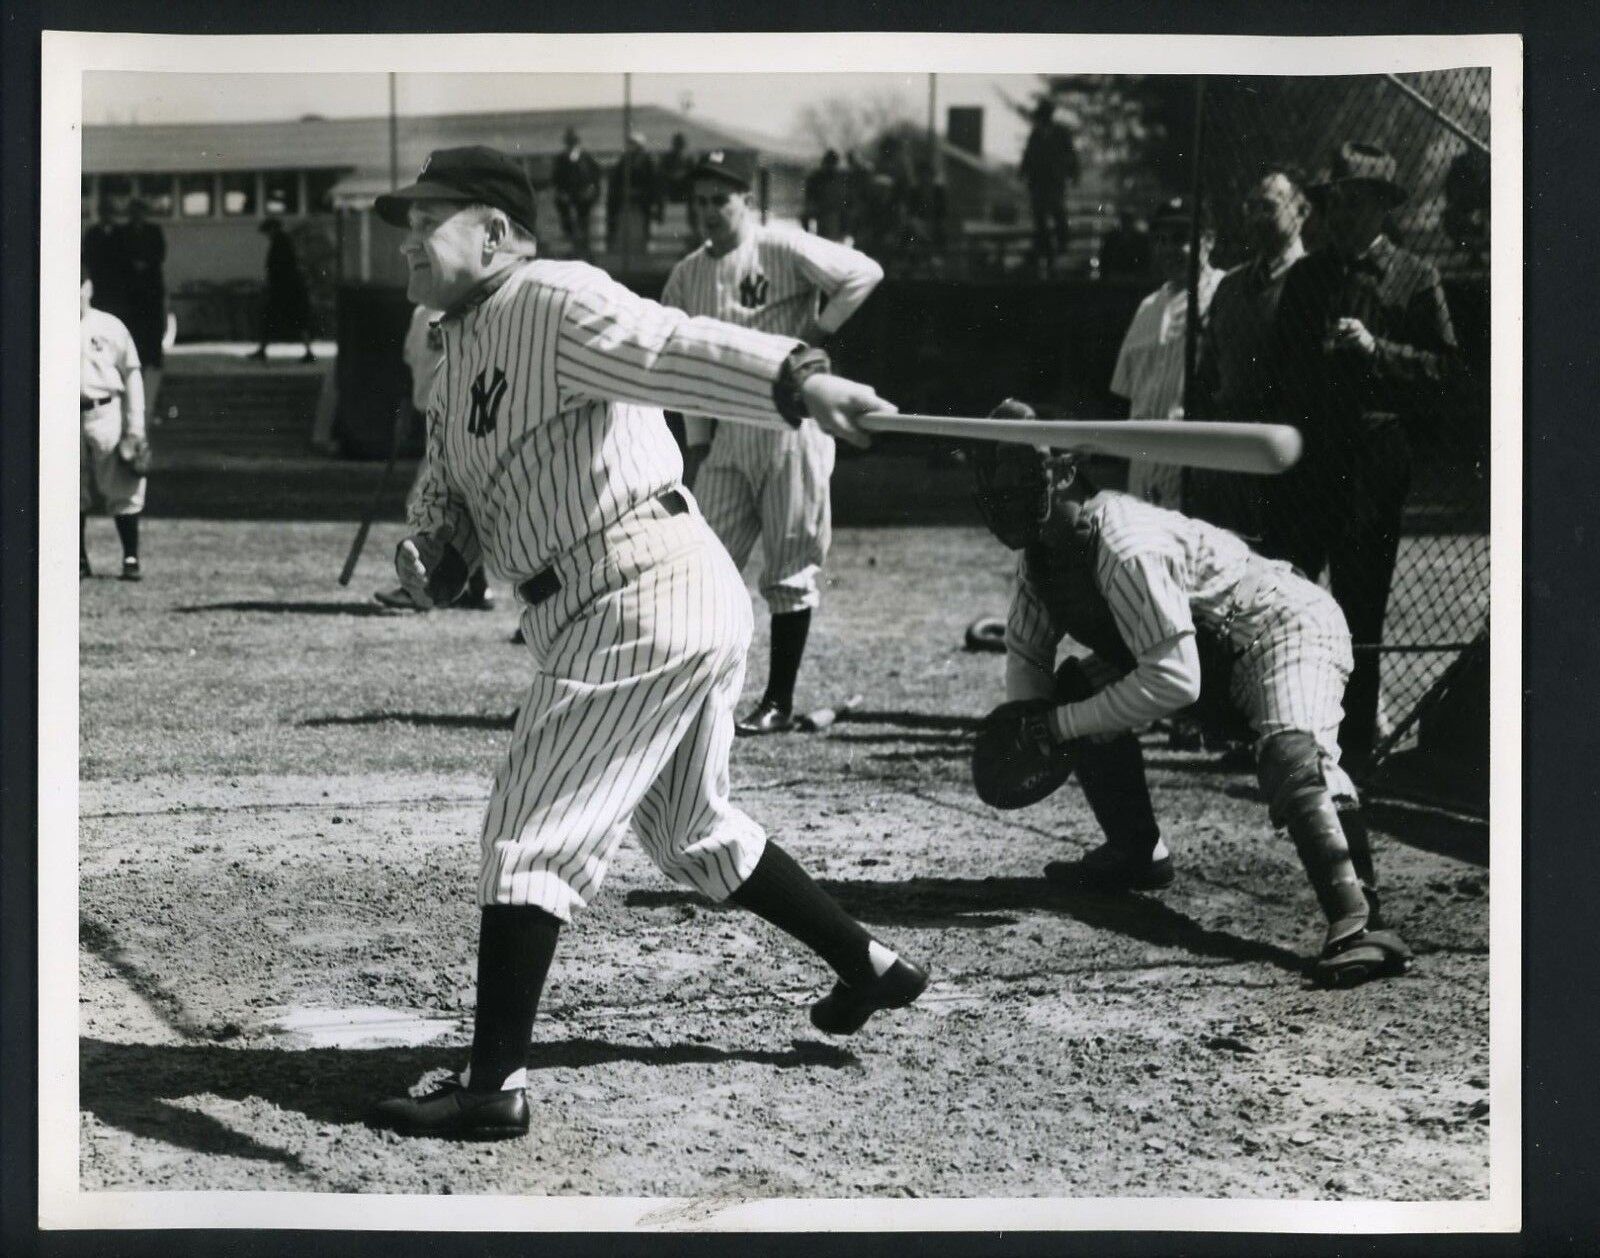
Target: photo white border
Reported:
[(68, 55)]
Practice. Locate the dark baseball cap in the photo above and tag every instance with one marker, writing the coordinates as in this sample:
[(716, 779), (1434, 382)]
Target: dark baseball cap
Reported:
[(738, 169), (471, 175)]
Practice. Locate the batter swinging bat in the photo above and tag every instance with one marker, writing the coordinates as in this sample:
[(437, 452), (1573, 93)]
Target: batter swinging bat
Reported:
[(376, 504), (1265, 449)]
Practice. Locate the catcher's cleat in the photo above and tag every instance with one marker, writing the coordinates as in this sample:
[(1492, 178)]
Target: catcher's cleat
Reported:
[(398, 599), (845, 1009), (1368, 954), (130, 569), (453, 1112), (1109, 868), (767, 718)]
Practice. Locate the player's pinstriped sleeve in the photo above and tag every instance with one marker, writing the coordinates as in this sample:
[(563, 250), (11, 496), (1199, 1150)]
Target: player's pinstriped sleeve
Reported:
[(431, 508), (847, 275), (1029, 633), (614, 345)]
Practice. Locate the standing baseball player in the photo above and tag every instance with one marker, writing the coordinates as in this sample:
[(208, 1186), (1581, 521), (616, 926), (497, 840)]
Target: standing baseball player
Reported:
[(549, 459), (111, 411), (759, 482), (1149, 592)]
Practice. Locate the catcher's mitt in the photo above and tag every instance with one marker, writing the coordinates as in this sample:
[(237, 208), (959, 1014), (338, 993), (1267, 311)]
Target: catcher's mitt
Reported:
[(1016, 760), (446, 570), (135, 455)]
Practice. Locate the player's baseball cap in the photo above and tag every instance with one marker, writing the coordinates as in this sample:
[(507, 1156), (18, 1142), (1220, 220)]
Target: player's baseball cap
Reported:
[(471, 175), (737, 169)]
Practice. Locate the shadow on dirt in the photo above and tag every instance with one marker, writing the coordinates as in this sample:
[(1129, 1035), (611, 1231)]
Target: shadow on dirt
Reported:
[(912, 720), (434, 720), (979, 903), (143, 1089), (290, 609)]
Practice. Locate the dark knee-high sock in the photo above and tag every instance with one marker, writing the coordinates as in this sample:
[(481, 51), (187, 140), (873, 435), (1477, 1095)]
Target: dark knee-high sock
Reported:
[(782, 893), (1114, 783), (789, 630), (515, 944), (83, 547), (128, 532)]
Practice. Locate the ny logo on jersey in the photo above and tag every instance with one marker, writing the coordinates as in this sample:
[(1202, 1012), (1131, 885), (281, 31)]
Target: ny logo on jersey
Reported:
[(486, 402), (753, 291)]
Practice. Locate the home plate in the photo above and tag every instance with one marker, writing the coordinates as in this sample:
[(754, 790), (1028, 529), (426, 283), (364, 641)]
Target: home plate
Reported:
[(363, 1026)]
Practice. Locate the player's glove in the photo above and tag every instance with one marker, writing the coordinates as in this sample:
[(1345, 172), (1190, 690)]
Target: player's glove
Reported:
[(134, 454), (432, 571), (1016, 760)]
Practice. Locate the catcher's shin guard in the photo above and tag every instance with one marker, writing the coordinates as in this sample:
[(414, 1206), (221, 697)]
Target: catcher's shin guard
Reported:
[(1290, 770), (1111, 773), (1354, 824)]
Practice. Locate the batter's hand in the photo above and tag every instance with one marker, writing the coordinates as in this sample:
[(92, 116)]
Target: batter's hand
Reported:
[(835, 403), (431, 570)]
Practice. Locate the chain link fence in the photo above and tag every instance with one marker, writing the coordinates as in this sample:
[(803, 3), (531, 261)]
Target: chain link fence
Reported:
[(1375, 344)]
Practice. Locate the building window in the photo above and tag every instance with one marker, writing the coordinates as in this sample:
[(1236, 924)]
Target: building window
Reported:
[(196, 195), (239, 193), (156, 193), (319, 190), (280, 192)]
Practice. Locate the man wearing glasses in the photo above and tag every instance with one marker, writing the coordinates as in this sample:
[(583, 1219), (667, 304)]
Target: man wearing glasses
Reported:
[(761, 483)]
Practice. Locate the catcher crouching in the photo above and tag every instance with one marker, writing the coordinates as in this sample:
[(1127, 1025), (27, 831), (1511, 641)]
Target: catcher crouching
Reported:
[(1150, 591)]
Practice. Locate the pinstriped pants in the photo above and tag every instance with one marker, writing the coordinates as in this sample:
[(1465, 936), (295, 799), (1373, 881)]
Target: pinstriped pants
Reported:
[(1293, 676), (629, 718), (757, 482)]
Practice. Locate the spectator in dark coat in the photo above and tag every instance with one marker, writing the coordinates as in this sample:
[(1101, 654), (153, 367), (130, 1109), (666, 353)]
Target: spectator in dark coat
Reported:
[(633, 198), (141, 248), (1049, 167), (827, 199), (1366, 352), (286, 312), (576, 180)]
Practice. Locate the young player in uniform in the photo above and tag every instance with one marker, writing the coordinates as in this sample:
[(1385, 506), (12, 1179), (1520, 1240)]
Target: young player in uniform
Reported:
[(549, 459), (1145, 589), (758, 482), (111, 415)]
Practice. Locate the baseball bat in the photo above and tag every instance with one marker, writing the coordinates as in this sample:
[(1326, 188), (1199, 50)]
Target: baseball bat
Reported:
[(373, 507), (1266, 449)]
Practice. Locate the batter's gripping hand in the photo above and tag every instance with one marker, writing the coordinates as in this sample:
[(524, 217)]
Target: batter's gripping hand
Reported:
[(432, 571), (1017, 760), (835, 402)]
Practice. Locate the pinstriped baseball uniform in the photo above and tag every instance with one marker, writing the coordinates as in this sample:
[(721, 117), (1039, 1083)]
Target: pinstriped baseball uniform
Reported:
[(547, 450), (1162, 575), (757, 482)]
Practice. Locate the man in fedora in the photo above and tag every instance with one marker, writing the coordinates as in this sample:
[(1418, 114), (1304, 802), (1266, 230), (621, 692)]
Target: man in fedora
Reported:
[(1049, 165), (1366, 353)]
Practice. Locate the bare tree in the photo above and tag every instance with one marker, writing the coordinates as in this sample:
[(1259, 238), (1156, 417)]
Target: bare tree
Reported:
[(852, 122)]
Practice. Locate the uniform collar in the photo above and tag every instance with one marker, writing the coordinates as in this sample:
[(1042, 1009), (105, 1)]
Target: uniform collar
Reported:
[(480, 293)]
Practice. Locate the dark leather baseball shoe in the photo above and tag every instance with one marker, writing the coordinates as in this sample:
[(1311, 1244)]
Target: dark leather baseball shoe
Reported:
[(131, 570), (767, 718), (398, 599), (452, 1112), (845, 1009), (1109, 868), (1366, 955)]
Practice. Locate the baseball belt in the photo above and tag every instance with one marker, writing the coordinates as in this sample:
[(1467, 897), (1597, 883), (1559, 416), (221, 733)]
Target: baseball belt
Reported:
[(86, 404), (544, 585)]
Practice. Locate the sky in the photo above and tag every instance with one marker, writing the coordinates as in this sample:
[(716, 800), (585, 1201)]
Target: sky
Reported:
[(765, 104)]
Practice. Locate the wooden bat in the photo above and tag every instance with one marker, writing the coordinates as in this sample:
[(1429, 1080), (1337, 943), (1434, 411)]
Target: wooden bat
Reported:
[(376, 504), (1265, 449)]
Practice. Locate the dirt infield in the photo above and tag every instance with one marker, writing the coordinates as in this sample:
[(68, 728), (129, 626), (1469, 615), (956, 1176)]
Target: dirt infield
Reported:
[(279, 807)]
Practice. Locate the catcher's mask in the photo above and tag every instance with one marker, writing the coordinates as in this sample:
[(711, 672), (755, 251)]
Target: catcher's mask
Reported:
[(1015, 484)]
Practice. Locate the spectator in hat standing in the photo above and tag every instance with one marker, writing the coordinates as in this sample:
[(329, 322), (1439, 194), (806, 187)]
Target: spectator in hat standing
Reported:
[(1150, 364), (141, 250), (633, 199), (286, 311), (1049, 167), (576, 179), (1366, 351)]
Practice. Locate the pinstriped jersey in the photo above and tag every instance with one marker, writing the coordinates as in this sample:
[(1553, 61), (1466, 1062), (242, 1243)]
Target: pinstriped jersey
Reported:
[(1150, 574), (774, 280), (544, 425)]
